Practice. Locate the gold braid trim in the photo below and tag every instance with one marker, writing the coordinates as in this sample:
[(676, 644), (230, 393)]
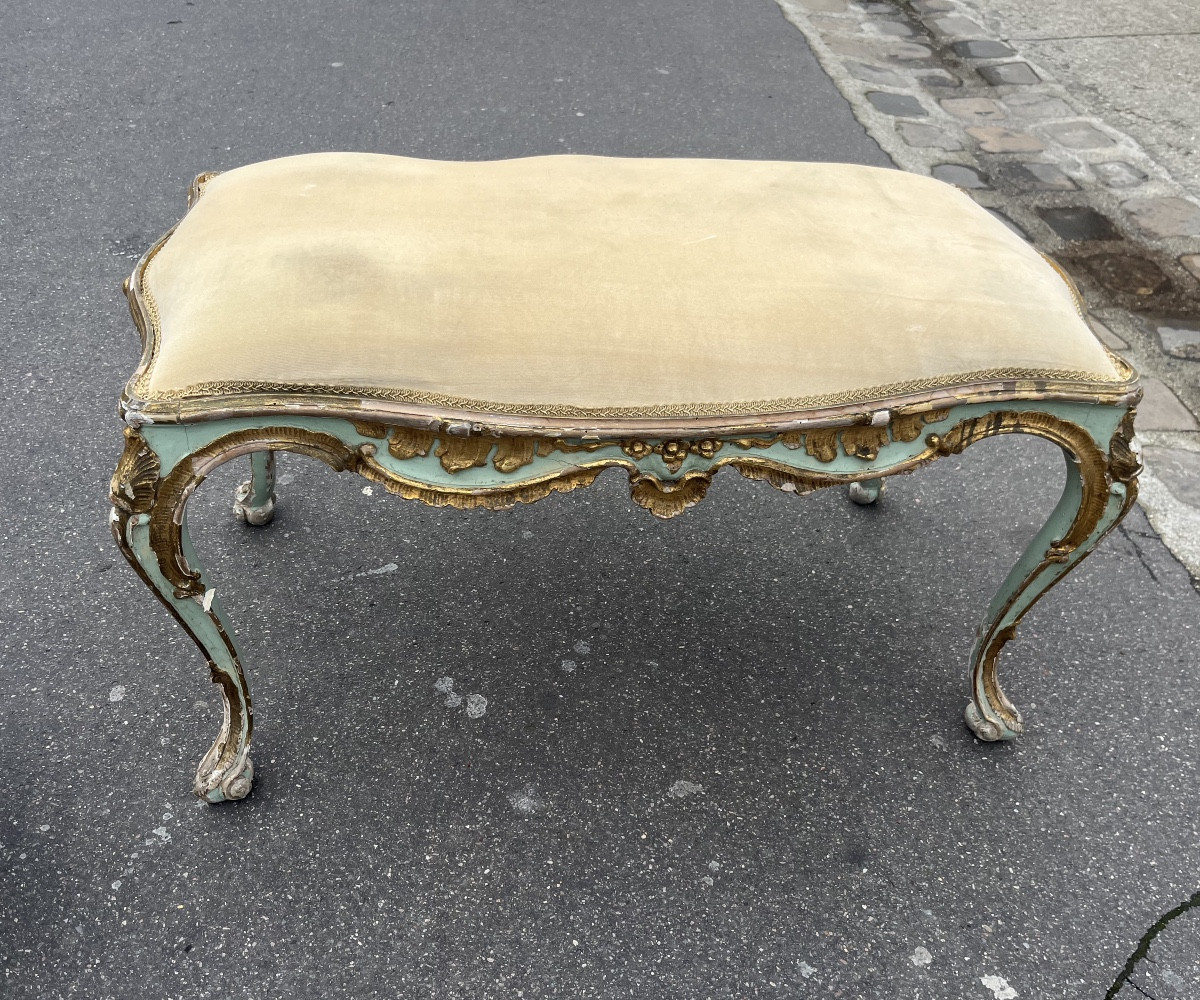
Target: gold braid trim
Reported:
[(754, 407)]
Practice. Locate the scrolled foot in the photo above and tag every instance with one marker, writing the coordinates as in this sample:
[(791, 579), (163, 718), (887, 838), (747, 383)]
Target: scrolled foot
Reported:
[(867, 492), (228, 786), (991, 730), (259, 515)]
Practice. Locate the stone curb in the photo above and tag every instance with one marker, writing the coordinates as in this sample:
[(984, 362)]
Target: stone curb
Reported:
[(943, 95)]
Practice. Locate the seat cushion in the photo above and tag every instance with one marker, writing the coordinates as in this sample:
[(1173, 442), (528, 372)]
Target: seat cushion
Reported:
[(596, 285)]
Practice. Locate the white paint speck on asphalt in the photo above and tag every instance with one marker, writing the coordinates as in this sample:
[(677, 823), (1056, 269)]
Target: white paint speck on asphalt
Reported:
[(476, 706), (920, 957), (526, 800), (999, 987), (682, 789), (117, 692)]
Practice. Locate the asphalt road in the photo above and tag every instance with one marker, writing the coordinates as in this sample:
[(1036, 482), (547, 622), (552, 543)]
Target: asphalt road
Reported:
[(721, 756)]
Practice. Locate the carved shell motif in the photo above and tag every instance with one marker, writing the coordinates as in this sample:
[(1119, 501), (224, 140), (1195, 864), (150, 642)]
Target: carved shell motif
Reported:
[(135, 480)]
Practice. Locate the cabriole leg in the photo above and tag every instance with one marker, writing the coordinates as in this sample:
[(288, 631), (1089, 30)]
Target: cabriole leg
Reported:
[(1101, 487), (254, 501), (867, 492), (225, 772)]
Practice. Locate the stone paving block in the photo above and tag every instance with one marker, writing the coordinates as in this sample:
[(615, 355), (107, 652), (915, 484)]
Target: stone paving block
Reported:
[(1107, 337), (874, 74), (982, 48), (822, 6), (923, 136), (1118, 174), (1009, 74), (897, 29), (1038, 106), (901, 105), (1180, 339), (1178, 469), (1078, 135), (1192, 262), (974, 109), (1165, 216), (997, 139), (908, 51), (957, 26), (1039, 176), (960, 176), (855, 48), (831, 24), (1079, 223), (1161, 410), (939, 78)]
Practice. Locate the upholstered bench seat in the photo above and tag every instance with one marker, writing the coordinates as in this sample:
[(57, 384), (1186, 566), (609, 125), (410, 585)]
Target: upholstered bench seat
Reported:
[(487, 333), (594, 286)]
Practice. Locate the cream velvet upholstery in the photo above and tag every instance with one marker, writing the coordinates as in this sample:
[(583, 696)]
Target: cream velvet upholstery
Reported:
[(598, 284)]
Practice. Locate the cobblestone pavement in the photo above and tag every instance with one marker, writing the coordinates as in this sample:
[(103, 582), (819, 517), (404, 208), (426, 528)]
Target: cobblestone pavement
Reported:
[(946, 93)]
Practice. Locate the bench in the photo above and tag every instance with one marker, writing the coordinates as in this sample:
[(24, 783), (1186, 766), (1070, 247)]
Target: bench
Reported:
[(485, 334)]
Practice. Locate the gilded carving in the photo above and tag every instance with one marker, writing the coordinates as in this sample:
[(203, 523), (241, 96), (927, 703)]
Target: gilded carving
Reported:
[(408, 442), (370, 430), (747, 443), (668, 499), (788, 480), (1125, 457), (513, 453), (674, 451), (863, 441), (495, 499), (907, 426), (136, 477), (459, 453), (822, 444), (637, 449)]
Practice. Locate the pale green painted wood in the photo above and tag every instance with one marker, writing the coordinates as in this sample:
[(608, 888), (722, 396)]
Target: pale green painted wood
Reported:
[(174, 443), (207, 623)]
